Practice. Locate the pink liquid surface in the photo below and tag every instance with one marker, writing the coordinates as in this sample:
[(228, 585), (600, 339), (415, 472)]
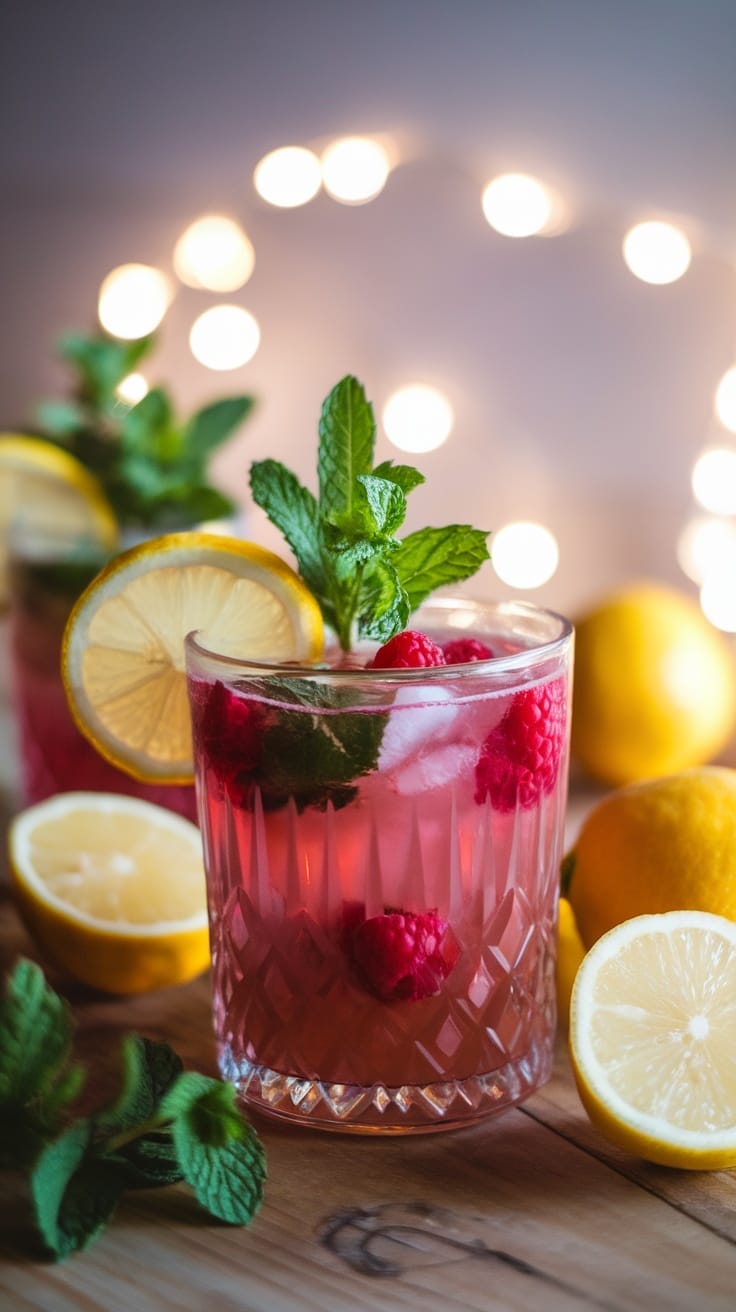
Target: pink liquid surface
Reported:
[(302, 1028)]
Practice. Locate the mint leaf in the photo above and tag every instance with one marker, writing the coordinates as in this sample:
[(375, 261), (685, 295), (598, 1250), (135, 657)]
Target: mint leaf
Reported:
[(61, 419), (37, 1078), (74, 1193), (209, 427), (147, 424), (384, 603), (102, 361), (385, 503), (434, 557), (347, 432), (149, 1070), (219, 1153), (293, 509), (316, 758), (405, 476)]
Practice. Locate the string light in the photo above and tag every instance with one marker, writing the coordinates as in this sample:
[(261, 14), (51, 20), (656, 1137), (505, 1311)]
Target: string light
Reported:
[(418, 418), (714, 480), (704, 544), (355, 169), (657, 252), (214, 254), (726, 400), (224, 337), (133, 300), (132, 389), (517, 205), (525, 555), (288, 177), (718, 601)]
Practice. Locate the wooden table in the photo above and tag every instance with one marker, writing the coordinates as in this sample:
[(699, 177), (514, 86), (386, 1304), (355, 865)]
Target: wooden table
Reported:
[(532, 1211)]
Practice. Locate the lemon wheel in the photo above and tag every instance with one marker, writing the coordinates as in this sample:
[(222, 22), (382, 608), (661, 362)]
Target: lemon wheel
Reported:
[(651, 1038), (112, 889), (48, 489), (123, 648)]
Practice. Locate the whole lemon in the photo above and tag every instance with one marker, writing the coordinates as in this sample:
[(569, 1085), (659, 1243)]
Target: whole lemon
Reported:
[(664, 845), (655, 686)]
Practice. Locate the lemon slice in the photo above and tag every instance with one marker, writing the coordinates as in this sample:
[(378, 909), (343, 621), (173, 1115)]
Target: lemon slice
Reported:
[(652, 1038), (112, 889), (123, 649), (49, 489)]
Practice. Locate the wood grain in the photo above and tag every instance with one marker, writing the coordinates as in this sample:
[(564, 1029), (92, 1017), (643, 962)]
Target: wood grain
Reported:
[(530, 1211)]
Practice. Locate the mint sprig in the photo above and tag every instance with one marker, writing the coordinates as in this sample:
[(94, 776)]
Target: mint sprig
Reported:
[(366, 579), (164, 1126)]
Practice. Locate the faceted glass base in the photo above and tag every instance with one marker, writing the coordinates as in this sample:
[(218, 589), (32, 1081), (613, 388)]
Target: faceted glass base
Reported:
[(377, 1109)]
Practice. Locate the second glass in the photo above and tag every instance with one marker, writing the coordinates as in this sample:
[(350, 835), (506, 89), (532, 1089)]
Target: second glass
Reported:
[(47, 571), (382, 851)]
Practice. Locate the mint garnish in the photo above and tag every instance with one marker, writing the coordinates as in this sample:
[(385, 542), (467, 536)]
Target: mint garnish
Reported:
[(165, 1125), (366, 579)]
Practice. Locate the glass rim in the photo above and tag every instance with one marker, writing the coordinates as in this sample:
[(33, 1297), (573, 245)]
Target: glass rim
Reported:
[(515, 661)]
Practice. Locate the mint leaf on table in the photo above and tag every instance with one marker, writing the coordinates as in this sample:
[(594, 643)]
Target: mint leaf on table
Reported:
[(165, 1125), (38, 1079), (366, 579), (74, 1192), (220, 1155)]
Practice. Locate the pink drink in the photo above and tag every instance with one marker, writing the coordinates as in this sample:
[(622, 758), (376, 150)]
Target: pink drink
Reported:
[(383, 938), (54, 756)]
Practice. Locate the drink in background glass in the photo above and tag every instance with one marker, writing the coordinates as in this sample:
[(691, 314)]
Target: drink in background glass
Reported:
[(47, 572), (382, 851)]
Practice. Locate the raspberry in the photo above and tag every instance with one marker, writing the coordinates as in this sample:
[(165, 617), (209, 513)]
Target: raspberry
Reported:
[(460, 651), (408, 650), (520, 758), (229, 730), (401, 956)]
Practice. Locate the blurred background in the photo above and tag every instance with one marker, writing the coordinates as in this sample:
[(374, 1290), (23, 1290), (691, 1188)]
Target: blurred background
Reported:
[(582, 387)]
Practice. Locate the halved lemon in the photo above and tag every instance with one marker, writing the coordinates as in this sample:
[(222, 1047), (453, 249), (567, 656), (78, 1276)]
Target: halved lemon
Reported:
[(112, 889), (123, 650), (652, 1031), (47, 488), (570, 953)]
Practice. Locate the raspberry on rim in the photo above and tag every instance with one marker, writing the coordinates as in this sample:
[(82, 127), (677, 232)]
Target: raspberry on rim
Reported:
[(409, 650)]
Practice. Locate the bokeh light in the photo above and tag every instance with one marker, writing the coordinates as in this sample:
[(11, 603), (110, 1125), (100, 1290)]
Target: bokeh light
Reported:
[(214, 254), (288, 177), (418, 418), (517, 205), (704, 547), (714, 480), (133, 300), (524, 555), (132, 389), (718, 601), (224, 337), (657, 252), (355, 169), (726, 400)]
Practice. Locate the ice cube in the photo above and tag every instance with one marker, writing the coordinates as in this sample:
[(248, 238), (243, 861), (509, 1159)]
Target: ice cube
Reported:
[(453, 762), (418, 715)]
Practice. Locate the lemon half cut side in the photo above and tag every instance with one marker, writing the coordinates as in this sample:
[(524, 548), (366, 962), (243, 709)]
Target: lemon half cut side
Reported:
[(123, 650), (47, 489), (112, 889), (652, 1025)]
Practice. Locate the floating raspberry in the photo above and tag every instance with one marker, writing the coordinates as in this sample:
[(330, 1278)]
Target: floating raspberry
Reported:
[(520, 758), (229, 730), (461, 651), (400, 955), (408, 650)]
